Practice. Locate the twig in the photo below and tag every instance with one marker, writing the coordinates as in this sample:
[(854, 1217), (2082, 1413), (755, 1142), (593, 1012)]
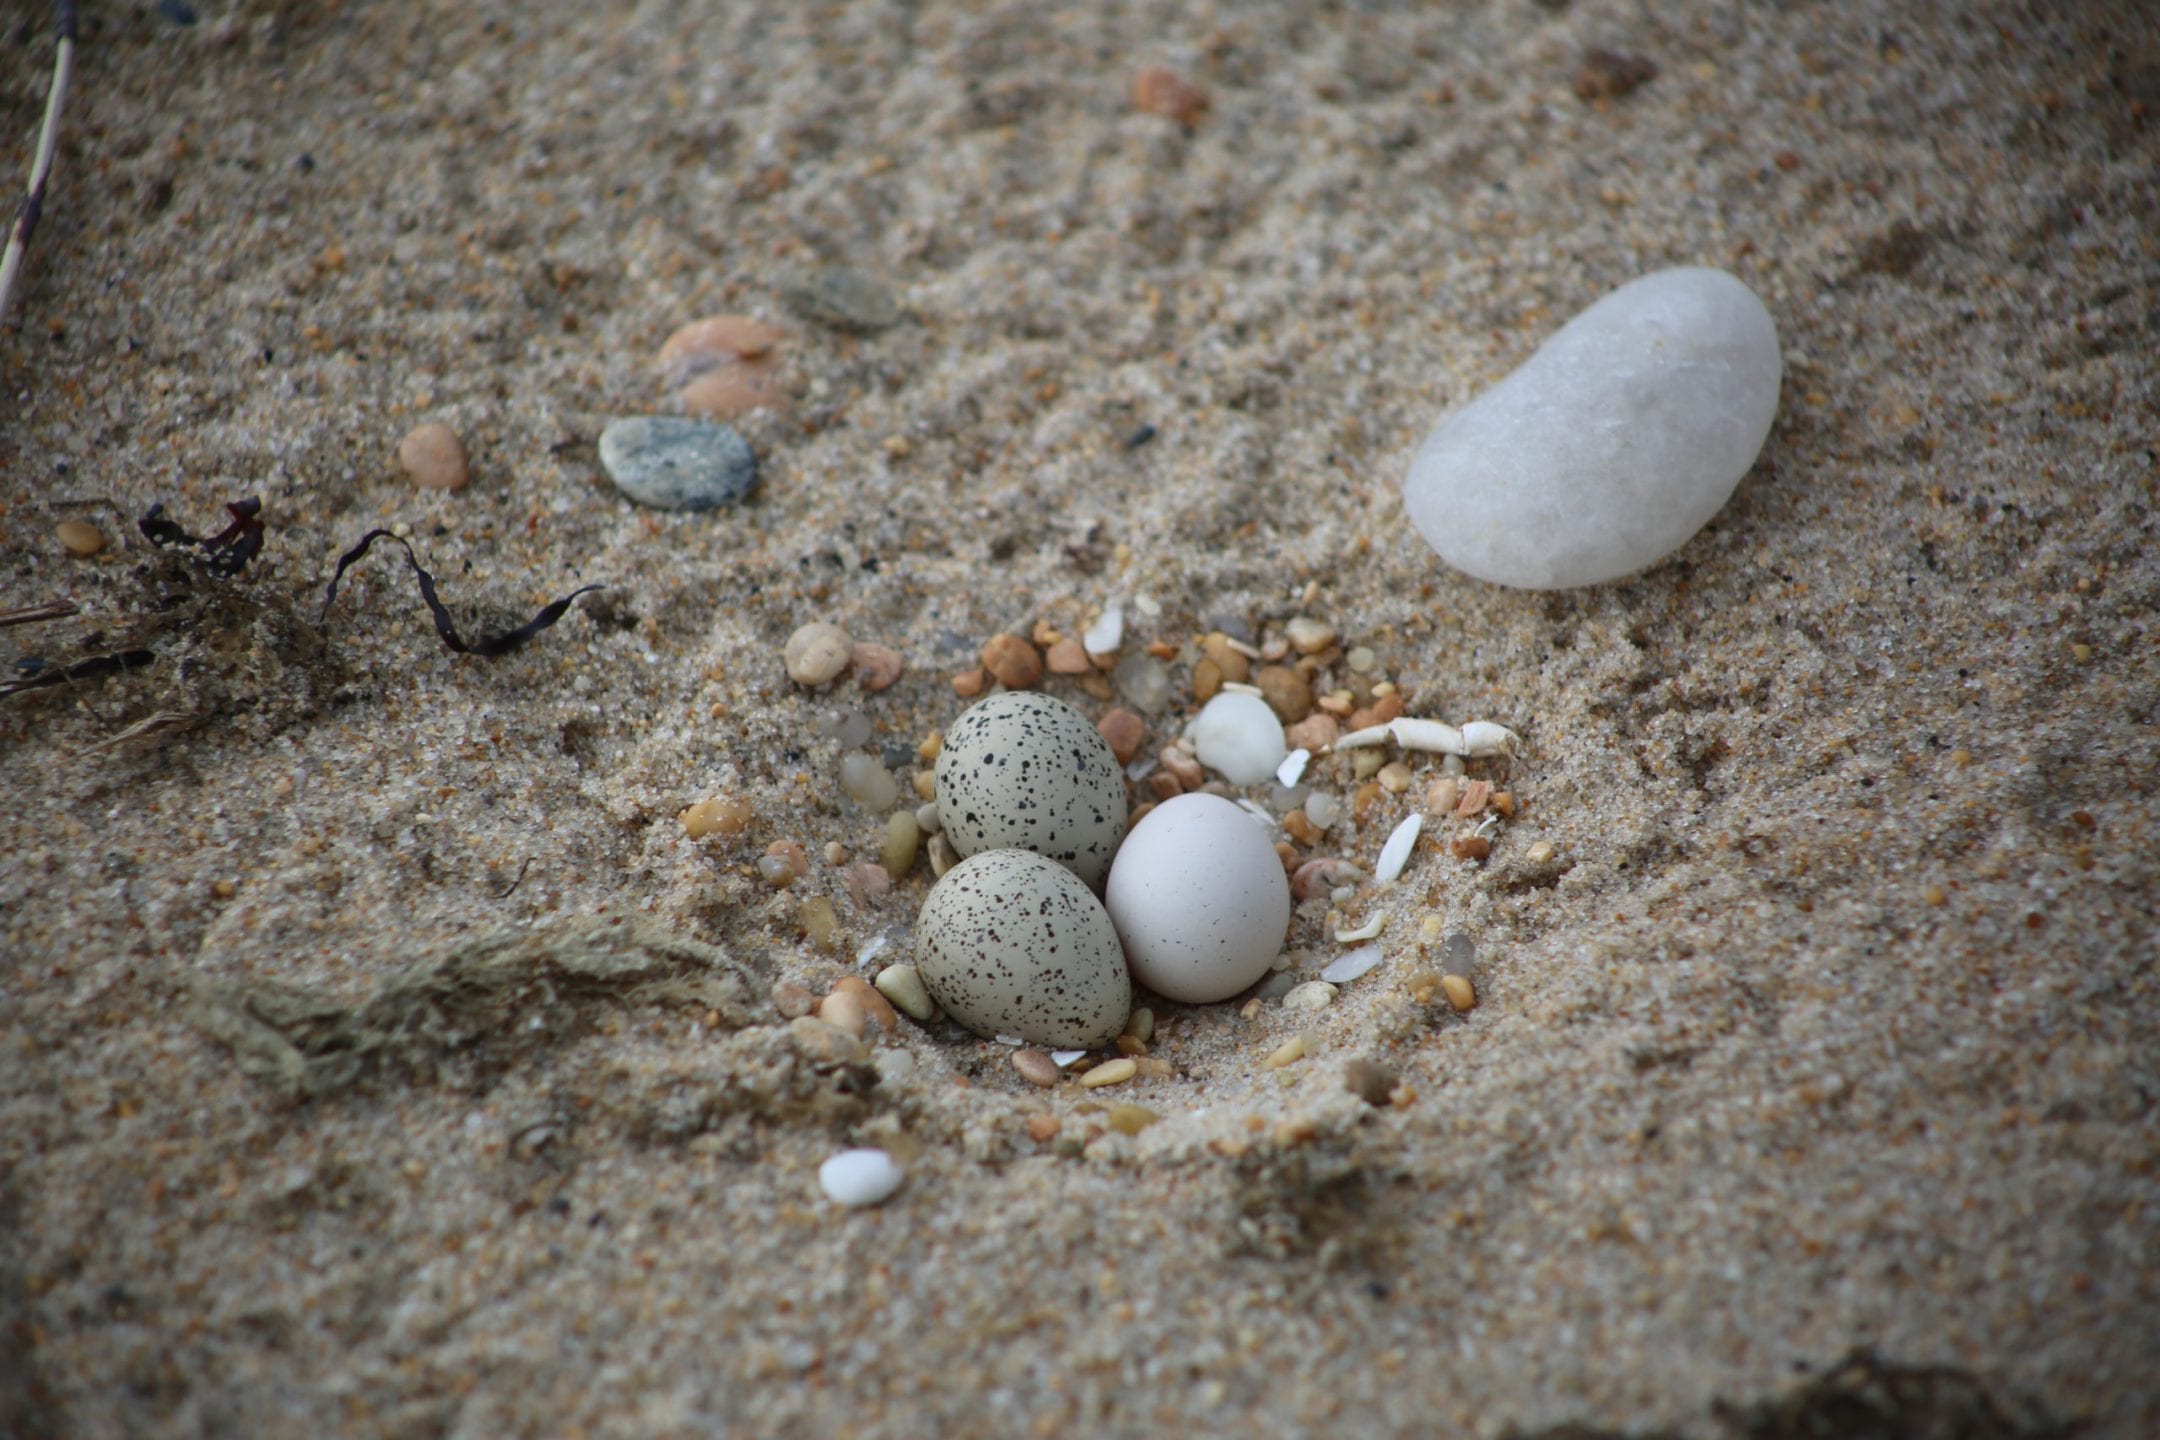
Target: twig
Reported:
[(33, 201), (27, 614)]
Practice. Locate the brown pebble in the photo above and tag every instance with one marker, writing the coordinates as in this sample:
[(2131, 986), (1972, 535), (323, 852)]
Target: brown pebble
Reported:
[(1370, 1082), (1314, 733), (867, 883), (1443, 794), (1459, 991), (702, 344), (717, 815), (1474, 796), (1184, 767), (1286, 693), (1386, 708), (793, 1001), (1131, 1045), (1068, 657), (1159, 90), (80, 537), (874, 1004), (731, 391), (1609, 74), (434, 457), (1207, 678), (816, 653), (1110, 1072), (1164, 786), (1016, 663), (1125, 733), (1037, 1068), (1131, 1119), (876, 667), (1232, 661), (1287, 853), (1470, 847), (1043, 1126), (1503, 801), (1317, 877), (844, 1010), (969, 683), (1300, 828)]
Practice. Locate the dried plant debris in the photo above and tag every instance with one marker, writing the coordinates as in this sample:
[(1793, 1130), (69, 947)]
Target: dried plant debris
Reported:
[(227, 552), (34, 673), (492, 990), (486, 646)]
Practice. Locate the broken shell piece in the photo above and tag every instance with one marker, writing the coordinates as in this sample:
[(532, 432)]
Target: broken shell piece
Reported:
[(1482, 737), (1292, 769), (1359, 739), (1319, 877), (1367, 931), (1107, 633), (1396, 853), (1064, 1058), (1352, 966), (1433, 737)]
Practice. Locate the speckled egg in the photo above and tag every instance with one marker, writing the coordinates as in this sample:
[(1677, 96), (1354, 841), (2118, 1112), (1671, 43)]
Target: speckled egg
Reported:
[(1011, 943), (1023, 771), (1199, 898)]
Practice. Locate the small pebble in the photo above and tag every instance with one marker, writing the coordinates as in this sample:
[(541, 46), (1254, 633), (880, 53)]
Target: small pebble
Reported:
[(876, 667), (1470, 847), (1459, 950), (844, 1010), (1360, 660), (673, 463), (867, 883), (732, 391), (1287, 693), (1131, 1119), (1370, 1082), (1068, 657), (820, 922), (434, 457), (1314, 733), (824, 1044), (1289, 1052), (703, 345), (1043, 1126), (1394, 777), (942, 856), (844, 300), (926, 815), (1323, 809), (1107, 633), (1320, 876), (1016, 663), (1158, 90), (1125, 733), (793, 1001), (1110, 1072), (867, 782), (1442, 795), (1141, 1024), (903, 835), (873, 1001), (856, 1178), (1539, 853), (1460, 992), (816, 653), (80, 537), (903, 986), (1312, 995), (1309, 636), (1359, 962), (969, 683)]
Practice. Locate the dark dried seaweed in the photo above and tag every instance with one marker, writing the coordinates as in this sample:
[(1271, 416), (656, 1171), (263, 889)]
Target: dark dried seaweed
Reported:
[(487, 646), (228, 551), (38, 674)]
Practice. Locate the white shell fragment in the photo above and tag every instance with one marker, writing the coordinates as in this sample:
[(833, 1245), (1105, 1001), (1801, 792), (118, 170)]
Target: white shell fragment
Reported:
[(1609, 447), (1359, 962), (1396, 853), (1482, 737), (1436, 737), (1107, 633), (1292, 768), (1238, 736), (1064, 1058), (859, 1177), (1367, 931)]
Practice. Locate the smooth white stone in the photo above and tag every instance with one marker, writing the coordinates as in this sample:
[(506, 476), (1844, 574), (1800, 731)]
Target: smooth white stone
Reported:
[(1612, 445), (1396, 853), (1312, 995), (1358, 962), (1107, 633), (859, 1177), (1238, 736)]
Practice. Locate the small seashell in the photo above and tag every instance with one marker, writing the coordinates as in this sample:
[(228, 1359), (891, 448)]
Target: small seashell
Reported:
[(1396, 853), (1358, 962)]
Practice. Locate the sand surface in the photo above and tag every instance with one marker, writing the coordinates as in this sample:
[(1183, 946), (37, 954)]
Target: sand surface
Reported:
[(378, 1056)]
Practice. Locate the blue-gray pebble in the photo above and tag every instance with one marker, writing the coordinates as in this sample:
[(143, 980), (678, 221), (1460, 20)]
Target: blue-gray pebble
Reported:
[(673, 463)]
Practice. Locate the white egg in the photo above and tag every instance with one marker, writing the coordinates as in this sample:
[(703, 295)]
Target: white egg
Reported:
[(1028, 772), (1199, 897), (1011, 943)]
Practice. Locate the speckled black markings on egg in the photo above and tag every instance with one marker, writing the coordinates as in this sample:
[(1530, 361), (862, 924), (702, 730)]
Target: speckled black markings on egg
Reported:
[(1025, 771), (1011, 943)]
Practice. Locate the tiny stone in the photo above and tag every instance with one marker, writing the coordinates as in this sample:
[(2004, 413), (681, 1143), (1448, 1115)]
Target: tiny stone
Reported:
[(1459, 950), (903, 986), (1460, 993), (1125, 733), (942, 856), (1043, 1126), (1287, 693), (826, 1044), (867, 883), (1158, 90), (926, 789), (434, 457), (793, 1001), (1394, 777), (856, 1178), (716, 816), (820, 923), (1309, 636), (1322, 809), (1107, 633), (1131, 1119), (876, 666), (1141, 1024), (1068, 657), (1539, 853), (1370, 1082), (1036, 1068), (1442, 795), (867, 782), (1016, 663), (673, 463), (731, 391), (1144, 681), (1360, 660), (1470, 847), (1238, 736), (1229, 660), (80, 537), (1314, 733), (1110, 1072), (1358, 962), (845, 1011), (1207, 681), (706, 344), (1610, 74), (926, 814), (817, 652), (1289, 1052), (1312, 995), (969, 683), (903, 834), (1277, 985), (845, 300), (873, 1002)]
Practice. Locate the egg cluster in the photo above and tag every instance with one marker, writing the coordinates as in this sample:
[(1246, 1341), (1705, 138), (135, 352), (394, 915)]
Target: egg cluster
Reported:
[(1014, 941)]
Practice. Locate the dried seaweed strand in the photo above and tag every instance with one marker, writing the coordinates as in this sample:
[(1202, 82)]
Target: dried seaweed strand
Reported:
[(229, 550), (41, 164), (487, 646), (29, 614), (95, 668)]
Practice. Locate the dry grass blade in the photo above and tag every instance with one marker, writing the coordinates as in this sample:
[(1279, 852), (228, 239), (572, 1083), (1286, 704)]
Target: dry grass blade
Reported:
[(33, 201)]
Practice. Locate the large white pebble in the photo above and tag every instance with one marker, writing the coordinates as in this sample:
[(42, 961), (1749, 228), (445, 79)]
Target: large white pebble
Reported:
[(1239, 736), (859, 1177), (1023, 770), (1013, 944), (1199, 898), (1610, 447)]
